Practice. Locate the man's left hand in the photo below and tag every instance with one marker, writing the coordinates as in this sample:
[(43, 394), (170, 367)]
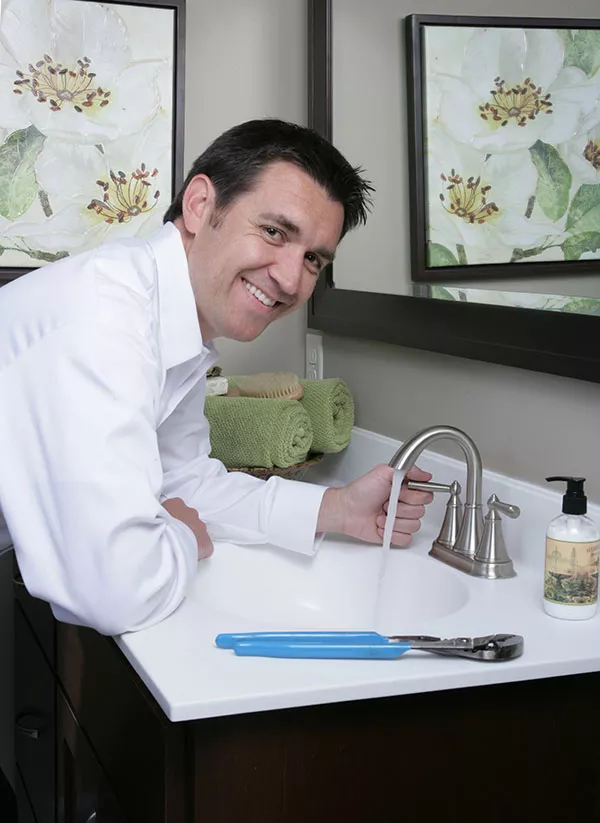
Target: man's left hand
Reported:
[(360, 509)]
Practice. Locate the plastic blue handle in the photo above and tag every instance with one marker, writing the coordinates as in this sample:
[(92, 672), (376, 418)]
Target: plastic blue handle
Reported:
[(228, 641), (378, 651)]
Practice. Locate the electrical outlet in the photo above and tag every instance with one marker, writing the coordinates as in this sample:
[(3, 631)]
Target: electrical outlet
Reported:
[(314, 356)]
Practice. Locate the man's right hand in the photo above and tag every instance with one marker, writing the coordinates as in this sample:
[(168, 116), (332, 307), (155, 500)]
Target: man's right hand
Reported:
[(177, 508)]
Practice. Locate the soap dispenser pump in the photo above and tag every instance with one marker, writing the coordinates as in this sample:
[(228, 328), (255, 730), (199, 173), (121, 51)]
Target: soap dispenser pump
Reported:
[(572, 543)]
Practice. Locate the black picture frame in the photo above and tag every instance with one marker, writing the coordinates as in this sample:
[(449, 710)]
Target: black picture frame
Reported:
[(421, 271), (8, 273), (544, 341)]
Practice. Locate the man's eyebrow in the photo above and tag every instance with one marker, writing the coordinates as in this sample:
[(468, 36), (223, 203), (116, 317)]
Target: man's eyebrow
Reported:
[(292, 228)]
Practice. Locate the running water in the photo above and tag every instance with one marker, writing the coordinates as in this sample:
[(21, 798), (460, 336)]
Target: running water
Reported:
[(391, 514), (387, 534)]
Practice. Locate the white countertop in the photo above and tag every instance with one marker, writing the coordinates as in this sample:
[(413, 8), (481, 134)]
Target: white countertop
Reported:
[(192, 679)]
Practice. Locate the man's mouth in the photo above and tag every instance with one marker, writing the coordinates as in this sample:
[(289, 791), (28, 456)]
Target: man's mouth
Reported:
[(261, 296)]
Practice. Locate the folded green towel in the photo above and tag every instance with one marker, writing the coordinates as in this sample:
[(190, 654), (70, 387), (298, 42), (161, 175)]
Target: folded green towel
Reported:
[(331, 409), (258, 432)]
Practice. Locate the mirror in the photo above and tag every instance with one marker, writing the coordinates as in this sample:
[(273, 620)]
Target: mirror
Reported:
[(358, 99)]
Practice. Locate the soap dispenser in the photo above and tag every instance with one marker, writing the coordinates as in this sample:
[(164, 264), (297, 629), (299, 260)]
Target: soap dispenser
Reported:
[(572, 543)]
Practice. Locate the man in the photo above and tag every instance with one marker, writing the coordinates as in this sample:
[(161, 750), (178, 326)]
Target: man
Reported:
[(106, 485)]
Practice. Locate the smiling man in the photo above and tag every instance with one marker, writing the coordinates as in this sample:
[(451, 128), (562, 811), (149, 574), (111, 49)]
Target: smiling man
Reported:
[(106, 485)]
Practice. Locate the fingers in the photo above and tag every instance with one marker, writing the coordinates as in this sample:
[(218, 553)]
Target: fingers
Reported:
[(403, 530), (205, 549), (414, 498), (178, 509), (401, 525), (399, 539), (205, 544), (415, 473), (407, 510), (411, 496)]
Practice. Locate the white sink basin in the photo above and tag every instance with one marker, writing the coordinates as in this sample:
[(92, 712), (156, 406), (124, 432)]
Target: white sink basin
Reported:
[(340, 588)]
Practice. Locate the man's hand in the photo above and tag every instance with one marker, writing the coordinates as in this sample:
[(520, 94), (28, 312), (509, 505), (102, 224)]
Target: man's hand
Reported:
[(177, 508), (360, 509)]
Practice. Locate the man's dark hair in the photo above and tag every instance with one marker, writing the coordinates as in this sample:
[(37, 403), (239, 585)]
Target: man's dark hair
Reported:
[(235, 159)]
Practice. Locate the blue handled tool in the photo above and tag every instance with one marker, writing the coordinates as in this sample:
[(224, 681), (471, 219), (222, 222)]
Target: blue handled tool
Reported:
[(367, 645), (229, 641), (330, 651)]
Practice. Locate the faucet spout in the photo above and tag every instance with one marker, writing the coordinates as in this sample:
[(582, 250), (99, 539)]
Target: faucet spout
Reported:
[(408, 453), (471, 527)]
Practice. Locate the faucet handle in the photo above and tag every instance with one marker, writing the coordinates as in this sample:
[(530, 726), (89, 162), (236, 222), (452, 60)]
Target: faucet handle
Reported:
[(432, 487), (491, 558), (454, 509), (452, 518), (509, 509)]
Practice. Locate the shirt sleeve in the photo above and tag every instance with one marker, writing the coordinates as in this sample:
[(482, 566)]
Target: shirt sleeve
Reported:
[(235, 506), (82, 501)]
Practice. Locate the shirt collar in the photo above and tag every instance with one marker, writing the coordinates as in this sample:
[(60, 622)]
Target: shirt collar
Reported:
[(181, 338)]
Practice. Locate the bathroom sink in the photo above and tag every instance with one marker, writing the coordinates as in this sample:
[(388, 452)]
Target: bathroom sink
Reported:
[(340, 588)]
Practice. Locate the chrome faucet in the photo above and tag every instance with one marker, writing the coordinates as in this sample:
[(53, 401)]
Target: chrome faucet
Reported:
[(474, 550)]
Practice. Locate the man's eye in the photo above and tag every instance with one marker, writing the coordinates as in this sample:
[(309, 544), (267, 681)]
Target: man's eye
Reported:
[(272, 233), (313, 261)]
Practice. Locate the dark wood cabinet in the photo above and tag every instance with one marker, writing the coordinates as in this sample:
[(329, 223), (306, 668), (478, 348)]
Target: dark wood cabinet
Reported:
[(25, 809), (495, 753), (84, 794), (35, 721)]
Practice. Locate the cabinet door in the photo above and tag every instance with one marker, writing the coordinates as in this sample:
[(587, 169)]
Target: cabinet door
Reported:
[(34, 721), (84, 795), (142, 754), (25, 811)]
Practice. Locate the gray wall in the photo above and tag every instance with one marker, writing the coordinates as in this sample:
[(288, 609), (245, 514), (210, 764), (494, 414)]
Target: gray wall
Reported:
[(247, 59)]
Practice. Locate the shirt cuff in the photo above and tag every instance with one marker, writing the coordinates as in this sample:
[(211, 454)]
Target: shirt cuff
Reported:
[(294, 515)]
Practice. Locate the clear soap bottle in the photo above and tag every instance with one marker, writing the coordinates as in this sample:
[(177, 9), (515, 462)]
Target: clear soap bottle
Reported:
[(572, 544)]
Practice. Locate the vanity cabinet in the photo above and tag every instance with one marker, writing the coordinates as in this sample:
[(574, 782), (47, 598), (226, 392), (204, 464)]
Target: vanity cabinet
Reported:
[(494, 753), (82, 791)]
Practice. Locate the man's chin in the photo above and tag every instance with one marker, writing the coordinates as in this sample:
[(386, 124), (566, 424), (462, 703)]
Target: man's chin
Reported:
[(246, 335)]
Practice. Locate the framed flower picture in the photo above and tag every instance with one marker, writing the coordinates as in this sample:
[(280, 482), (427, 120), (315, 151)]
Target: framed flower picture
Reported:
[(91, 124), (504, 136)]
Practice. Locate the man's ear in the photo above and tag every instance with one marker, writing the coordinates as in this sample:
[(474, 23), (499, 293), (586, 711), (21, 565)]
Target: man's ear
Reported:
[(198, 202)]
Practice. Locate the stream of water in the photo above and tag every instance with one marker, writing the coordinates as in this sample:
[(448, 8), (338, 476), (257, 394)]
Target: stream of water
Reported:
[(387, 533)]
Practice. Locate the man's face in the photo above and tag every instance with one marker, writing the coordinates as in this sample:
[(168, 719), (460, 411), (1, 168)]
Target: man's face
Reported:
[(262, 259)]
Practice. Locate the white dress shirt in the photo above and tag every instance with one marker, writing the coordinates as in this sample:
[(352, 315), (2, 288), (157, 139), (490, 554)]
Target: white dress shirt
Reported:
[(102, 382)]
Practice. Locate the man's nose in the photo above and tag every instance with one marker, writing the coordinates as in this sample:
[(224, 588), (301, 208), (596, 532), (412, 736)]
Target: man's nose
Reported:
[(287, 271)]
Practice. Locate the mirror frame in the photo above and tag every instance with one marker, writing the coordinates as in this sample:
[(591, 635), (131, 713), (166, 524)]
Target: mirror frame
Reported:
[(545, 341)]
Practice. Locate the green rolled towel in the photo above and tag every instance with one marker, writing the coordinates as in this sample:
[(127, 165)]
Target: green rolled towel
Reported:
[(331, 409), (258, 432)]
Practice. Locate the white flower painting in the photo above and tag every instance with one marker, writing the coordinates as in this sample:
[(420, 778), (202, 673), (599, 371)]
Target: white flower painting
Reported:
[(512, 144), (86, 125)]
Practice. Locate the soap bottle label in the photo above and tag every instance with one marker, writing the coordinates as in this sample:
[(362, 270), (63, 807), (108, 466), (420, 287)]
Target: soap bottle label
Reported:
[(571, 577)]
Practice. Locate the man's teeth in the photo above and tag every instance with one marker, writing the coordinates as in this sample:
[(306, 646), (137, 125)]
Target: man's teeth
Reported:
[(259, 295)]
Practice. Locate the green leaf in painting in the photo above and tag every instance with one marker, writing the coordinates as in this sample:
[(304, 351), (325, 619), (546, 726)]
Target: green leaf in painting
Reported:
[(18, 184), (440, 293), (439, 255), (47, 256), (584, 214), (523, 254), (554, 180), (578, 244), (583, 305), (582, 49)]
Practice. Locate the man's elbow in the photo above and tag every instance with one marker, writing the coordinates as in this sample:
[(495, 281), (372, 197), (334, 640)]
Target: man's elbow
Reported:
[(124, 613)]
